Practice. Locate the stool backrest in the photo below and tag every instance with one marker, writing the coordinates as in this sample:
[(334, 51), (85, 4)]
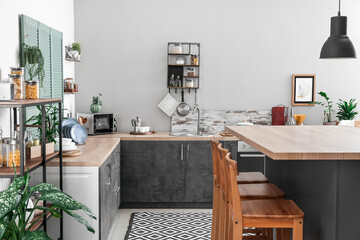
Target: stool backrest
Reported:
[(235, 215), (215, 156)]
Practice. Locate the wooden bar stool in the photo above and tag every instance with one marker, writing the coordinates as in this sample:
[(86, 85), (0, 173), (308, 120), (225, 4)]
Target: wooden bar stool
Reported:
[(268, 213)]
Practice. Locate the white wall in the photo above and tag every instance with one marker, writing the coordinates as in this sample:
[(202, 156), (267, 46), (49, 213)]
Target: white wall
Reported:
[(250, 49), (58, 14)]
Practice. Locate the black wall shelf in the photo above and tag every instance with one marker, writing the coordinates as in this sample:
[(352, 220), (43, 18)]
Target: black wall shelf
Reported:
[(189, 50)]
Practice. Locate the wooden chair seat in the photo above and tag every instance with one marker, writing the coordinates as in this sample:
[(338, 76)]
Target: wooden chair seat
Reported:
[(259, 191), (251, 177), (270, 208)]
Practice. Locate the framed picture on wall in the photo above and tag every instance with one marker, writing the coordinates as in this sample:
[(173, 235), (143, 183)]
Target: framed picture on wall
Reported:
[(303, 89)]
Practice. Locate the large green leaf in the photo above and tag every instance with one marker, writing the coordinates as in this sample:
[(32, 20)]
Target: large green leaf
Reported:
[(9, 201), (18, 183), (35, 235), (44, 188), (81, 220), (3, 225), (65, 202)]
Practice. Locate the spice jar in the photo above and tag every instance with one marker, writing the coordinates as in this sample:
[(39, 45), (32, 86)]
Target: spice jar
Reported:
[(191, 71), (177, 48), (14, 154), (32, 90), (189, 83), (17, 70), (196, 60), (18, 80)]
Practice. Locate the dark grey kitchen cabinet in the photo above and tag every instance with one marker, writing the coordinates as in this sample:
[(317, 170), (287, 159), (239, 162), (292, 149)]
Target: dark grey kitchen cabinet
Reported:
[(171, 172), (109, 200), (152, 171), (232, 146), (199, 172)]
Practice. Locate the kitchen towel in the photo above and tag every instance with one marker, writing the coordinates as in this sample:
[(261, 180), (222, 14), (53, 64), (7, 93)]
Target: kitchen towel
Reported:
[(168, 105)]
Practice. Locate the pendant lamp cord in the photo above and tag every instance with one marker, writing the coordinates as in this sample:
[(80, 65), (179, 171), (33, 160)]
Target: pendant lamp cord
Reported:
[(339, 14)]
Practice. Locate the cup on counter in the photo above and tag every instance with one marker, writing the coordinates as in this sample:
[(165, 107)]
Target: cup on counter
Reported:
[(144, 129)]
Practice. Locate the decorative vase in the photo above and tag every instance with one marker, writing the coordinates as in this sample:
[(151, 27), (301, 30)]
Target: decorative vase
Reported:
[(95, 108)]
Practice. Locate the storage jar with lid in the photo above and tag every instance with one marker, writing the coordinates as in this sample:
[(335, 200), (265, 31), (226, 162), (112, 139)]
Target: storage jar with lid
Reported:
[(189, 83), (14, 154), (180, 60), (191, 71), (32, 90), (177, 48), (18, 81), (17, 70)]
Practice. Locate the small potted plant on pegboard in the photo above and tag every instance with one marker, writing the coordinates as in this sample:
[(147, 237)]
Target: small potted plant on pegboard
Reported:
[(73, 52)]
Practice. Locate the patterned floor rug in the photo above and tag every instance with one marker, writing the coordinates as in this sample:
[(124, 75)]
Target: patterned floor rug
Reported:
[(169, 226)]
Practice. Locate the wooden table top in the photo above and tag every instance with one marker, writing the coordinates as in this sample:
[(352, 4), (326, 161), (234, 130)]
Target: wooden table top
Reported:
[(302, 142)]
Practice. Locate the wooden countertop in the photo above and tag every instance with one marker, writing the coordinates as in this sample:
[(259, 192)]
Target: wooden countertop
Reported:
[(302, 142), (163, 136), (94, 153)]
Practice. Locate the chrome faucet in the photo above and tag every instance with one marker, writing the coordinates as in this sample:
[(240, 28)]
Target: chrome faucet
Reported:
[(196, 108)]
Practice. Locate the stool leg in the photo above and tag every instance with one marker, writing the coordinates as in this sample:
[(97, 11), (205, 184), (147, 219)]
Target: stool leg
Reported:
[(283, 234), (298, 229), (270, 234)]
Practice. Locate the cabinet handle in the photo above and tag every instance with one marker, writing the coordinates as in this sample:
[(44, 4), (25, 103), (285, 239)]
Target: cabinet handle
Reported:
[(182, 152), (252, 155), (188, 151)]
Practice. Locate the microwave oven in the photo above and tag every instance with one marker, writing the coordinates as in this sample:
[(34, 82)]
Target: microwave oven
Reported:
[(98, 123)]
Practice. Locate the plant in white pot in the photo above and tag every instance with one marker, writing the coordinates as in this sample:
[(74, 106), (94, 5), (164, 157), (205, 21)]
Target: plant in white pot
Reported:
[(328, 109), (347, 110)]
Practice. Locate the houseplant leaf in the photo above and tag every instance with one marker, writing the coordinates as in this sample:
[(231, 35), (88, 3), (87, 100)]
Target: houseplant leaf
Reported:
[(44, 188), (9, 200), (65, 202), (81, 220), (35, 235)]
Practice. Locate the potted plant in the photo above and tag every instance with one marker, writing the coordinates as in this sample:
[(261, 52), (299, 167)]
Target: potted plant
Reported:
[(34, 63), (16, 212), (328, 109), (51, 128), (95, 107), (73, 52), (347, 110)]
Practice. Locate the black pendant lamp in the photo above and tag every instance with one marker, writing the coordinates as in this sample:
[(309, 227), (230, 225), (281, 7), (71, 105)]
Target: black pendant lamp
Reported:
[(338, 45)]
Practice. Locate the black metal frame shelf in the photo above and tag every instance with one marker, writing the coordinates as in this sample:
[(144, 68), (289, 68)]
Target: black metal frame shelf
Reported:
[(18, 107), (178, 69)]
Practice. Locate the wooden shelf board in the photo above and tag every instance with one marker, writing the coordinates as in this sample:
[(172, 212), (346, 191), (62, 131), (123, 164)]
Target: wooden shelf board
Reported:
[(39, 224), (179, 54), (184, 87), (31, 164), (29, 102), (182, 65)]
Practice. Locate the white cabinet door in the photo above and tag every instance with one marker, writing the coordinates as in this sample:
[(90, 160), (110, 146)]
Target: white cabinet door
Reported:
[(82, 183)]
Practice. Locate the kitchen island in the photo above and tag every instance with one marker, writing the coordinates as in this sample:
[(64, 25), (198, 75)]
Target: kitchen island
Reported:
[(317, 167)]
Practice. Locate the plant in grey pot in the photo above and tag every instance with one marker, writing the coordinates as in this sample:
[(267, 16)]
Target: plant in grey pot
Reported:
[(328, 109), (16, 213), (347, 110), (95, 107)]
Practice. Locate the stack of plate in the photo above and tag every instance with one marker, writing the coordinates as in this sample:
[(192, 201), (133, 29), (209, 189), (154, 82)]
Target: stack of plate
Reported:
[(72, 129)]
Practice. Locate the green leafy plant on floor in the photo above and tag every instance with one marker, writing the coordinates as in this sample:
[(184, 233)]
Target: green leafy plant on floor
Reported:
[(347, 110), (327, 105), (96, 100), (34, 63), (14, 222), (51, 119), (76, 47)]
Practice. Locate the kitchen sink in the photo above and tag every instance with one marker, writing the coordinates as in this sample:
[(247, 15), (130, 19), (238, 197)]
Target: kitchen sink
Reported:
[(183, 134)]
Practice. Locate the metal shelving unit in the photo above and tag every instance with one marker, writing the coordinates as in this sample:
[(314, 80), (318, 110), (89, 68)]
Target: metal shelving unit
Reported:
[(18, 107), (179, 69)]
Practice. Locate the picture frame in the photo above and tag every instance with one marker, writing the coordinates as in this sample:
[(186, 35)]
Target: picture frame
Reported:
[(303, 89)]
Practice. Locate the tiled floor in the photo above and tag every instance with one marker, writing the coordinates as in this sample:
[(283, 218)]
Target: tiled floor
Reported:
[(121, 223)]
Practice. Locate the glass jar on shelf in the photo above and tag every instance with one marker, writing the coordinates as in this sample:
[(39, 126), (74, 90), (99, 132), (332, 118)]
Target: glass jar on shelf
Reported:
[(13, 157), (177, 48), (191, 71), (18, 81), (28, 139), (32, 90), (178, 82), (172, 82), (189, 83)]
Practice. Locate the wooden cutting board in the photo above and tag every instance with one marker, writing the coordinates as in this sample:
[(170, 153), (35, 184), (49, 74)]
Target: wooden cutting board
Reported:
[(75, 153)]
